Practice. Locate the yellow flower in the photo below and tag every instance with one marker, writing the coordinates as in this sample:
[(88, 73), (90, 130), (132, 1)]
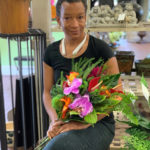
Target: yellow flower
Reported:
[(72, 76)]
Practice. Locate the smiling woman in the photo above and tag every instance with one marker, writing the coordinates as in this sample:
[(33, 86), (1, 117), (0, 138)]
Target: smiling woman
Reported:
[(72, 135)]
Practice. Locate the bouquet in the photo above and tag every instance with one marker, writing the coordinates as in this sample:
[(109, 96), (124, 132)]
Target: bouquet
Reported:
[(89, 91)]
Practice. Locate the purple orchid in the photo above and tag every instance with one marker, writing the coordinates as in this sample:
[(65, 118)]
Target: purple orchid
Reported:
[(82, 105), (74, 87)]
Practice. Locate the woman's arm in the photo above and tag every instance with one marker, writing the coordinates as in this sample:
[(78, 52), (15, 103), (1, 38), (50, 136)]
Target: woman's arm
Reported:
[(112, 68), (48, 75), (48, 82)]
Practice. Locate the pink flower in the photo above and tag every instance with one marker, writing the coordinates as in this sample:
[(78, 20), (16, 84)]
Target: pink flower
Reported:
[(73, 87), (82, 105)]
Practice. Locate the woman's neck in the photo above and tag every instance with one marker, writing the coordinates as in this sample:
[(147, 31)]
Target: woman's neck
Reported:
[(74, 42)]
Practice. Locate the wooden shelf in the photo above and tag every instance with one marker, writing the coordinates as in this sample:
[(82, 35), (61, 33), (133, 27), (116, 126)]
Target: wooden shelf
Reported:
[(123, 28)]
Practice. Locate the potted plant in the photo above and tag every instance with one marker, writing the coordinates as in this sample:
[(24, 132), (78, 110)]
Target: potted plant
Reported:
[(139, 138), (14, 16), (143, 67)]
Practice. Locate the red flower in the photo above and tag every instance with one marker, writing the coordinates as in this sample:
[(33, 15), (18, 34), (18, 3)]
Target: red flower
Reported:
[(95, 72), (65, 84), (113, 91), (93, 83)]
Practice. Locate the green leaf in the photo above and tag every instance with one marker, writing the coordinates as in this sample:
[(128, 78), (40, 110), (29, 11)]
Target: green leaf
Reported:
[(143, 81), (145, 89), (110, 80), (74, 113), (91, 118), (56, 103), (98, 99)]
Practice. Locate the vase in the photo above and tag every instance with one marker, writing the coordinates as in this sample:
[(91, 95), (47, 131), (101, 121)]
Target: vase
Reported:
[(141, 34), (14, 16)]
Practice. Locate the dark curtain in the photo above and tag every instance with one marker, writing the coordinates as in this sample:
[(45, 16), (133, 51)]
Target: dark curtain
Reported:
[(29, 114)]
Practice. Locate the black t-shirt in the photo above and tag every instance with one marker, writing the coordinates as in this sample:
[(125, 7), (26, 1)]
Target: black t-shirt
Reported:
[(96, 48)]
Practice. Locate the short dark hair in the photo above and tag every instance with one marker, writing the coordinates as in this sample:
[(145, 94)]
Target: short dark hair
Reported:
[(59, 3)]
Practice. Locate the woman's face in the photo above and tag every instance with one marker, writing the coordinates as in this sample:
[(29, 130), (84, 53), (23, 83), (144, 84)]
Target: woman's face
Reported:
[(72, 19)]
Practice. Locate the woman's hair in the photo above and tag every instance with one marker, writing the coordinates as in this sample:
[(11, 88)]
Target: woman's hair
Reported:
[(59, 3)]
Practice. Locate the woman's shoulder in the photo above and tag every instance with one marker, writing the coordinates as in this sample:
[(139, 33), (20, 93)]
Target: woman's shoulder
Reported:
[(98, 42), (100, 48), (51, 52), (53, 45)]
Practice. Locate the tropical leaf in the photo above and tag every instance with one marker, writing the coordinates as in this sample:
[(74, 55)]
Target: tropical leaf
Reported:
[(91, 118)]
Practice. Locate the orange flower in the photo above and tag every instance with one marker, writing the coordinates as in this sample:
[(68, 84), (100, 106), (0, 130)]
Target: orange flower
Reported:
[(72, 76), (117, 97), (67, 101), (106, 92)]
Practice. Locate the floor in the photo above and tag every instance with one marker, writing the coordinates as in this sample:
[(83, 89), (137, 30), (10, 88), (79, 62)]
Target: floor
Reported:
[(140, 50)]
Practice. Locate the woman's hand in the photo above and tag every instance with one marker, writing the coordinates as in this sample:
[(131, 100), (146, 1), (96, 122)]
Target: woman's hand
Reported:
[(72, 125), (54, 128), (59, 127)]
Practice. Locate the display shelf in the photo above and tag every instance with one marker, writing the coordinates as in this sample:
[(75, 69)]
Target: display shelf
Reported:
[(132, 83), (110, 28)]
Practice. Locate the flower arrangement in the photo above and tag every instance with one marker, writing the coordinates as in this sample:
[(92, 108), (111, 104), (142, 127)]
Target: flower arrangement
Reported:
[(89, 91)]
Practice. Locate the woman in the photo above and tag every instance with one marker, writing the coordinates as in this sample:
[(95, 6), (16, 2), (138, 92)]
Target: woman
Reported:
[(71, 16)]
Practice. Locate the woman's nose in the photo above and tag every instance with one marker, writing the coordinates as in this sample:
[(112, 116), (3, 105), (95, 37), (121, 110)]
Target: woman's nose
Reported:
[(75, 22)]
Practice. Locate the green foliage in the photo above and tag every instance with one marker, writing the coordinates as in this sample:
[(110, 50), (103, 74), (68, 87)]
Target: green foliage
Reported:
[(115, 36), (73, 113), (91, 118), (146, 61), (110, 80), (139, 139), (143, 81), (56, 103), (97, 99), (56, 89), (126, 108), (90, 68)]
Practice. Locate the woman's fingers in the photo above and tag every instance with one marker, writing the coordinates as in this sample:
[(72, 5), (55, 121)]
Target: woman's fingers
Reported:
[(58, 123), (51, 134)]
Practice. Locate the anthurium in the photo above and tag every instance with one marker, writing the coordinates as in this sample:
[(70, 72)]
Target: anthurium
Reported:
[(82, 105), (93, 83), (95, 72), (113, 91), (74, 87)]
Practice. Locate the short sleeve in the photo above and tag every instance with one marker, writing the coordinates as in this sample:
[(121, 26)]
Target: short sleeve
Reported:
[(102, 49), (47, 55)]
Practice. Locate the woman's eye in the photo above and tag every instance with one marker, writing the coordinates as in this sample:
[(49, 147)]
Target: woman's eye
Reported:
[(67, 18), (80, 17)]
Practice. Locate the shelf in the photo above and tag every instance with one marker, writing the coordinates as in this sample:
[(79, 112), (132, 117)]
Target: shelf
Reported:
[(124, 28)]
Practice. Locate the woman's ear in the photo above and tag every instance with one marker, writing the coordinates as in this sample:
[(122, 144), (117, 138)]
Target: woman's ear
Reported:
[(58, 20)]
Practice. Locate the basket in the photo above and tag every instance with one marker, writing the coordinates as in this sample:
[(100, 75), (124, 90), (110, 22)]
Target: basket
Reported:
[(14, 16), (142, 68), (10, 134), (125, 61)]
